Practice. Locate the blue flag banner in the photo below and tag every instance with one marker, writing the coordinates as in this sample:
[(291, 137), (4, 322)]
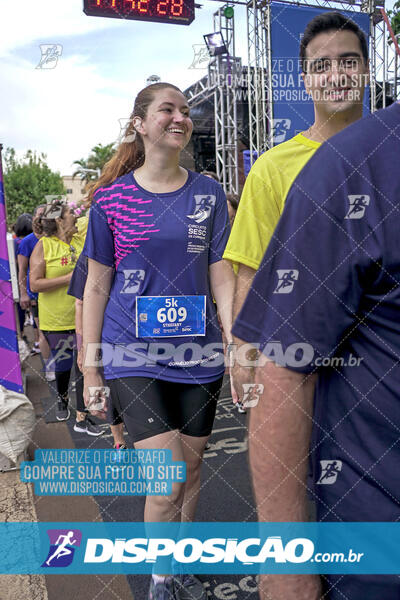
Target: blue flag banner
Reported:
[(204, 548), (293, 109), (10, 367)]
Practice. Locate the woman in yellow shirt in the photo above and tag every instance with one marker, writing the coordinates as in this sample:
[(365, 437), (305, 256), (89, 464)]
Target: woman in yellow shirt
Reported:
[(52, 263)]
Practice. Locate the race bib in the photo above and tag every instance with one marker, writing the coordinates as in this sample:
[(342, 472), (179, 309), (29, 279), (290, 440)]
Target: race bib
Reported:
[(170, 316)]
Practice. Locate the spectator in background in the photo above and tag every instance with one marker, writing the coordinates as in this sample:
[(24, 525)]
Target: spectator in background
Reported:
[(28, 299), (52, 263), (233, 204), (211, 174), (21, 228)]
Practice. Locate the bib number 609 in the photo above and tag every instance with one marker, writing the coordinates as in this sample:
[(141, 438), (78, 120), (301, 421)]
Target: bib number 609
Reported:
[(171, 314)]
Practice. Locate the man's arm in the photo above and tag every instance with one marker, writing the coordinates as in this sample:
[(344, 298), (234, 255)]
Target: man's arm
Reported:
[(241, 374), (279, 441)]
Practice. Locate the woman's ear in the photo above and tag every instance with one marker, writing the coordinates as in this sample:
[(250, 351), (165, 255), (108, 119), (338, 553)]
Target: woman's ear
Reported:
[(137, 124)]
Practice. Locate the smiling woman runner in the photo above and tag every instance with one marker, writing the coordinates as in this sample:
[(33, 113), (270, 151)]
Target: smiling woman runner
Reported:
[(164, 229)]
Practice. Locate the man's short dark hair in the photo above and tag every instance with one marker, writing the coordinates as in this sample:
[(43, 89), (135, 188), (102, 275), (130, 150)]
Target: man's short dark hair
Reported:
[(329, 21)]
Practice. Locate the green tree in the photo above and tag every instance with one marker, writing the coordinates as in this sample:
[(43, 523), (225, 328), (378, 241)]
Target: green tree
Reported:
[(394, 18), (96, 160), (27, 181)]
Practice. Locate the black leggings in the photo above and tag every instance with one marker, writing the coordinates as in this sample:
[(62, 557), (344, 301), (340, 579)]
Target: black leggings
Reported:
[(62, 384), (63, 357)]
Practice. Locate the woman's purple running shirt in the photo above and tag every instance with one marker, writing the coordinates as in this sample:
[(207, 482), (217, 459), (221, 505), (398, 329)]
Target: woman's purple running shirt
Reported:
[(159, 245)]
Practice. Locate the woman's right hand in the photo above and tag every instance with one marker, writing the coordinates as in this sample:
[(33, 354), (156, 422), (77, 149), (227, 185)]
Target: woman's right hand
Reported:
[(95, 393)]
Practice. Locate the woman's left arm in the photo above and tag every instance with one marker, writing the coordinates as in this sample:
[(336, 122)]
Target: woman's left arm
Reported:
[(222, 281)]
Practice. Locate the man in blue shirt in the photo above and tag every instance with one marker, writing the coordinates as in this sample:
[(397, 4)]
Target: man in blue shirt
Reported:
[(325, 306)]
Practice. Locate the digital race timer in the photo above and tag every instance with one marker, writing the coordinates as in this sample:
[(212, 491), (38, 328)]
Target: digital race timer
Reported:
[(180, 12)]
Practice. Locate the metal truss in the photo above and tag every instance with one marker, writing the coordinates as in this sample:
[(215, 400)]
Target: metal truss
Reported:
[(258, 20), (225, 72), (222, 84), (384, 59)]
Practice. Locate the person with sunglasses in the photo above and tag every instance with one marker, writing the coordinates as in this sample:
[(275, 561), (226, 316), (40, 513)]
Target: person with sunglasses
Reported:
[(51, 265)]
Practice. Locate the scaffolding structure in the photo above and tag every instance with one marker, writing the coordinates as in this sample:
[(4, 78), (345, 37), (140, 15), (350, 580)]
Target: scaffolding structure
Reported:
[(222, 82), (384, 61), (225, 72)]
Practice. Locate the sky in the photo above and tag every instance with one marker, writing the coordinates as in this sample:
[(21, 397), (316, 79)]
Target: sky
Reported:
[(66, 110)]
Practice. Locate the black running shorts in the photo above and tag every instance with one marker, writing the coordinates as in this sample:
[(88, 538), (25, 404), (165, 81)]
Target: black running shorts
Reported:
[(152, 406)]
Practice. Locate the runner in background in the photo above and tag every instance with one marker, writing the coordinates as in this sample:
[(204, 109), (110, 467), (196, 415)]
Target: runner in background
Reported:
[(156, 229), (28, 299), (334, 59), (331, 383), (51, 266), (21, 228), (76, 289)]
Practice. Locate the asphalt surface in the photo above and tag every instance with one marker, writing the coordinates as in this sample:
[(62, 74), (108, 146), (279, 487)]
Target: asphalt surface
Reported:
[(225, 496)]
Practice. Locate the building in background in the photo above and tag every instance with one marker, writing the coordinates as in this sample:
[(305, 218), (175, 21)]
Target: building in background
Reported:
[(75, 188)]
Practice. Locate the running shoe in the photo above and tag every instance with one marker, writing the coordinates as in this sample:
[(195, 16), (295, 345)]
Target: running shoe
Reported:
[(87, 426), (120, 447), (163, 590), (62, 411), (189, 587), (50, 376), (35, 349), (241, 409)]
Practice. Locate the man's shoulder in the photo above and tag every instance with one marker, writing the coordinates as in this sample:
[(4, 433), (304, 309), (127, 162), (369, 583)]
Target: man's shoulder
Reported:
[(297, 149), (362, 138)]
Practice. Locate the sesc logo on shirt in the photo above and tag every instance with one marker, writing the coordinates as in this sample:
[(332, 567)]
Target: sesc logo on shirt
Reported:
[(204, 204), (287, 279), (133, 280), (358, 204)]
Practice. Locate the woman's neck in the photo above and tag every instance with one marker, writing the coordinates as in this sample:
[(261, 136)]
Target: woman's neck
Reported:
[(65, 236), (161, 173)]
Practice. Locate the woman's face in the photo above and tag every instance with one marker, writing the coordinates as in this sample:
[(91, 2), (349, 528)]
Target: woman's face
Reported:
[(68, 221), (167, 123)]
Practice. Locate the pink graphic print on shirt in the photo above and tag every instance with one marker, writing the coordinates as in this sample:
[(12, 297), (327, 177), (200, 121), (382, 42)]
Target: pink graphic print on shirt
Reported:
[(130, 224)]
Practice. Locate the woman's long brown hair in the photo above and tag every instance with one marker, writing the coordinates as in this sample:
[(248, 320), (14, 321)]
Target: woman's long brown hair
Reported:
[(129, 154)]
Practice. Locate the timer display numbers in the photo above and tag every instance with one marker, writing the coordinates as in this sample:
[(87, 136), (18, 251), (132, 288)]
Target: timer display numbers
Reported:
[(180, 12)]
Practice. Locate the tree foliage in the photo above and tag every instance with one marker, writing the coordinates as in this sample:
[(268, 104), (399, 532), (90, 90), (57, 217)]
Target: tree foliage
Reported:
[(27, 181), (394, 18), (96, 160)]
